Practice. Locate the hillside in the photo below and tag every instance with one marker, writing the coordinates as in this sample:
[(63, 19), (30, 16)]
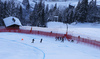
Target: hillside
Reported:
[(61, 2), (38, 14), (12, 47), (84, 30)]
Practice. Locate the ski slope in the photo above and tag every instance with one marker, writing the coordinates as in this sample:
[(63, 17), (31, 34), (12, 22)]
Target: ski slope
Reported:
[(12, 47), (84, 30)]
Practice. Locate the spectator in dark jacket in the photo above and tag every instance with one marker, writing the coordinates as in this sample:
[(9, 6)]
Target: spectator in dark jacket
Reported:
[(41, 40), (33, 40)]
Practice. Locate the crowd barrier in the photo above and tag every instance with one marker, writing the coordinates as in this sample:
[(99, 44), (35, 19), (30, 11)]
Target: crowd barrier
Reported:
[(78, 39)]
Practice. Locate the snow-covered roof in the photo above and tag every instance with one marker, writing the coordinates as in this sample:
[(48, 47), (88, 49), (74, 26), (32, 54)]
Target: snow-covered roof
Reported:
[(11, 21)]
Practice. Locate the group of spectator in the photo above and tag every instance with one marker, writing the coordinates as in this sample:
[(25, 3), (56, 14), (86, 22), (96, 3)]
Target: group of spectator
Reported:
[(59, 39)]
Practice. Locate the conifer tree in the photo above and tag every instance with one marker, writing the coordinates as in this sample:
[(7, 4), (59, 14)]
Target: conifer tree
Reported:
[(81, 11), (1, 13), (26, 4)]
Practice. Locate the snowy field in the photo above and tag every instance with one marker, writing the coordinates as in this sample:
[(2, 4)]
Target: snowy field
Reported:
[(12, 47), (84, 30)]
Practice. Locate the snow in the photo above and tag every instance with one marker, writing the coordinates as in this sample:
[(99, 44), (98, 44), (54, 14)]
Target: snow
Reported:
[(84, 30), (9, 21), (60, 4), (12, 47), (65, 4)]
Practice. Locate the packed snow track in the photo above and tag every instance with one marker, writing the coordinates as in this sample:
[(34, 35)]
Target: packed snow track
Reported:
[(12, 47)]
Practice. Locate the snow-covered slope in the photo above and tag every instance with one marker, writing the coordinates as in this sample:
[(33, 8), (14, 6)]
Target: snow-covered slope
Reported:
[(12, 47), (85, 30), (19, 2), (62, 4), (52, 3), (66, 3)]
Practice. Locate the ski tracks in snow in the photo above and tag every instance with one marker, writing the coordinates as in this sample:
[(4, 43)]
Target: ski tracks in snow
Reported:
[(26, 45)]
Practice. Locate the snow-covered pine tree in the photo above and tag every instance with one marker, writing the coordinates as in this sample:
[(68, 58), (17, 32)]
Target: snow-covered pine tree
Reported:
[(34, 15), (1, 13), (64, 15), (46, 16), (41, 14), (81, 11), (5, 10), (26, 4), (76, 11), (43, 21), (93, 12), (37, 17), (20, 11), (0, 10), (70, 14)]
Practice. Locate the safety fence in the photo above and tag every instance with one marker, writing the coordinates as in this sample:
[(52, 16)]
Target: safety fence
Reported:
[(90, 42), (78, 39)]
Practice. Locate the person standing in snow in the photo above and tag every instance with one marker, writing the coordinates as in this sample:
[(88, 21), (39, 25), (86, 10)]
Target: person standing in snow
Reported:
[(41, 40), (33, 40), (62, 39), (56, 38)]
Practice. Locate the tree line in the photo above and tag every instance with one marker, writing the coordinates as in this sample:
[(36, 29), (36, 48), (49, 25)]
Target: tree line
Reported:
[(41, 13)]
